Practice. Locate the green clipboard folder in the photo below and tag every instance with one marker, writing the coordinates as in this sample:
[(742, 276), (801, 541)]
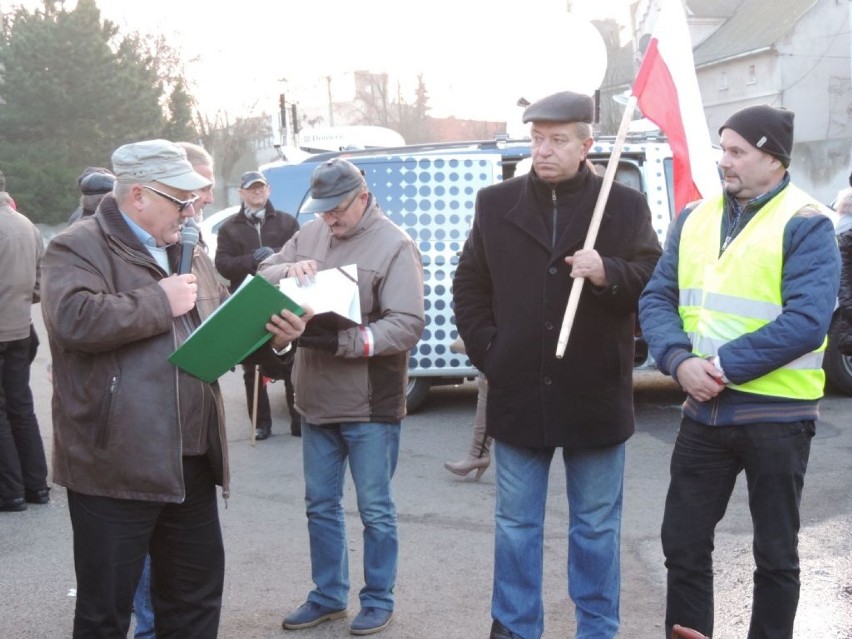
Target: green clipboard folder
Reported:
[(234, 331)]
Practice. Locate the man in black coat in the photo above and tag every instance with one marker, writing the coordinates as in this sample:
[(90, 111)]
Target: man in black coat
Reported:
[(511, 288), (245, 239)]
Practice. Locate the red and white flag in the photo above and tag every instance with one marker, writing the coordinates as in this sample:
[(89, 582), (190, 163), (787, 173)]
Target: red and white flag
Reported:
[(666, 91)]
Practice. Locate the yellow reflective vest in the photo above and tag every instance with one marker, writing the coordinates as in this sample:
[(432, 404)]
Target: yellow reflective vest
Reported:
[(724, 297)]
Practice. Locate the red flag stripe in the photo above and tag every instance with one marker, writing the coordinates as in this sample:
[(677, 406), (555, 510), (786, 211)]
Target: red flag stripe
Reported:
[(657, 97)]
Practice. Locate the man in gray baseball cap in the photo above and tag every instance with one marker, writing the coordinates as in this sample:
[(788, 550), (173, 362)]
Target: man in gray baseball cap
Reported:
[(331, 182), (139, 444), (347, 420)]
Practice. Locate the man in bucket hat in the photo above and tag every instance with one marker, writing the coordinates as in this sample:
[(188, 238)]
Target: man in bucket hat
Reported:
[(510, 293), (737, 312), (350, 390), (139, 444)]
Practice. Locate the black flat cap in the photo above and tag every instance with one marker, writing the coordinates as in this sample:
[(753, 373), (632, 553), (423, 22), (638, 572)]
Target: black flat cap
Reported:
[(565, 106), (97, 183)]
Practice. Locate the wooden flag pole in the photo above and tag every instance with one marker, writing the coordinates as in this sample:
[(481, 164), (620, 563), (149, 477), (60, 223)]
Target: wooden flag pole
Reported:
[(594, 226), (254, 405)]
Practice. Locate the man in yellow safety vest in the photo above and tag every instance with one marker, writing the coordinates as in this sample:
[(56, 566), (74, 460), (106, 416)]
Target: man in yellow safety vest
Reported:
[(737, 312)]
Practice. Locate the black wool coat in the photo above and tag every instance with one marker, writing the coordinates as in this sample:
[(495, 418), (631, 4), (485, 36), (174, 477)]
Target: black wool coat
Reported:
[(510, 291)]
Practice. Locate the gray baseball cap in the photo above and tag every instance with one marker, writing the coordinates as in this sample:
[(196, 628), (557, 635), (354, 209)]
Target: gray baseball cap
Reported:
[(330, 182), (252, 177), (156, 161)]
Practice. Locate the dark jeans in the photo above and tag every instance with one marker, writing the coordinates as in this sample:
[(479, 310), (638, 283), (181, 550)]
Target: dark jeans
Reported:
[(704, 467), (23, 466), (111, 539)]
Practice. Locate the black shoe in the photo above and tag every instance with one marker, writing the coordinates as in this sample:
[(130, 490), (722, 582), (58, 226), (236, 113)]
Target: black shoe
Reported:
[(499, 631), (263, 433), (13, 505), (41, 496)]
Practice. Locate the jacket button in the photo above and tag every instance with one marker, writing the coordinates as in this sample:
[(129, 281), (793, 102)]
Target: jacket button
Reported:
[(552, 270), (548, 326), (547, 381)]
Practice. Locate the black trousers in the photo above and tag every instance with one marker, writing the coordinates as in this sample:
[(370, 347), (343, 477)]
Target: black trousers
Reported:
[(264, 413), (23, 466), (704, 467), (111, 538)]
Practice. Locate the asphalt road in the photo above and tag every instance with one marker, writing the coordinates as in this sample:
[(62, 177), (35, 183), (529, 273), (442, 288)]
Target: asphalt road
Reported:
[(446, 529)]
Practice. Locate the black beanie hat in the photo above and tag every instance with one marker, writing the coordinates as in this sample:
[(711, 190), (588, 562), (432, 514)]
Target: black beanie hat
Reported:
[(765, 127)]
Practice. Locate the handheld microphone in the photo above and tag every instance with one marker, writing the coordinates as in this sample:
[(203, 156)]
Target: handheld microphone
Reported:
[(188, 241)]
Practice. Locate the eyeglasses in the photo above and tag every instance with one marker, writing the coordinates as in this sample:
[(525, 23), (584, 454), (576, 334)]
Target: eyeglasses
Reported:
[(338, 210), (181, 204)]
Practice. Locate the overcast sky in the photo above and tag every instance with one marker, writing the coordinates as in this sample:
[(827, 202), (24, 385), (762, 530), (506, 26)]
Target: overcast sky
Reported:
[(237, 55)]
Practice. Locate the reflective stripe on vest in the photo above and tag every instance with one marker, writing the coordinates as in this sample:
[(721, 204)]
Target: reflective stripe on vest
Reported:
[(724, 297)]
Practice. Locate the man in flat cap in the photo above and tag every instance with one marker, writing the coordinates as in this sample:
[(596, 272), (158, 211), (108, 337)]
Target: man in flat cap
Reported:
[(737, 312), (138, 443), (350, 390), (510, 292), (245, 239)]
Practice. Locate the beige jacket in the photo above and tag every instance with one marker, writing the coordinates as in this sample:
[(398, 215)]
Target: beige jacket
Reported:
[(347, 386), (21, 250)]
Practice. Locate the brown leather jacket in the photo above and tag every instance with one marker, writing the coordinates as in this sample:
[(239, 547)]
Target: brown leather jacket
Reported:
[(123, 416)]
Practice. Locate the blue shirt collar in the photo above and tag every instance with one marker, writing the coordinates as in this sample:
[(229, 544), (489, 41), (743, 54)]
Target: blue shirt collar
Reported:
[(144, 236)]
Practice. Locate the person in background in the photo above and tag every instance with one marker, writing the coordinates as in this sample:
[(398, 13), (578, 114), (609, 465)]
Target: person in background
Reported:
[(93, 188), (843, 207), (478, 458), (96, 188), (737, 313), (3, 188), (351, 387), (843, 330), (519, 262), (139, 444), (202, 163), (245, 239), (23, 466)]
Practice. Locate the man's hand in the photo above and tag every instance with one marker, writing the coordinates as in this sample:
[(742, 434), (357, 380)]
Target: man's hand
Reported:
[(700, 379), (262, 253), (181, 291), (286, 327), (304, 271), (587, 263)]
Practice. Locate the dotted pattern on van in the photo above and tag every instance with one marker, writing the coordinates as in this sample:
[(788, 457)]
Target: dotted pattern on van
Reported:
[(433, 199)]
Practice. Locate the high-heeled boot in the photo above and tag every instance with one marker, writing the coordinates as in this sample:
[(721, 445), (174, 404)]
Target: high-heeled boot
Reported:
[(478, 458)]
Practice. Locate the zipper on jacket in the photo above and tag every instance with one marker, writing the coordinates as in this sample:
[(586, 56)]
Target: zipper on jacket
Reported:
[(106, 415), (714, 411), (553, 232)]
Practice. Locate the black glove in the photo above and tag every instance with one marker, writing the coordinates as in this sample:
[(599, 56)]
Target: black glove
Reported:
[(319, 337), (262, 253)]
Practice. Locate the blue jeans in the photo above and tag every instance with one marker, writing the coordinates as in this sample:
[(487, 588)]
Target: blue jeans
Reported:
[(704, 467), (595, 487), (372, 450), (142, 607)]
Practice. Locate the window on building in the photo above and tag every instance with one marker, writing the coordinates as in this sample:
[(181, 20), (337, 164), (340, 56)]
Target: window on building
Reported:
[(723, 81), (752, 74)]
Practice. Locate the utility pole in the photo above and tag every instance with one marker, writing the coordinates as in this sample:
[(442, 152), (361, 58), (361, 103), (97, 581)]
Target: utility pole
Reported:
[(330, 102)]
